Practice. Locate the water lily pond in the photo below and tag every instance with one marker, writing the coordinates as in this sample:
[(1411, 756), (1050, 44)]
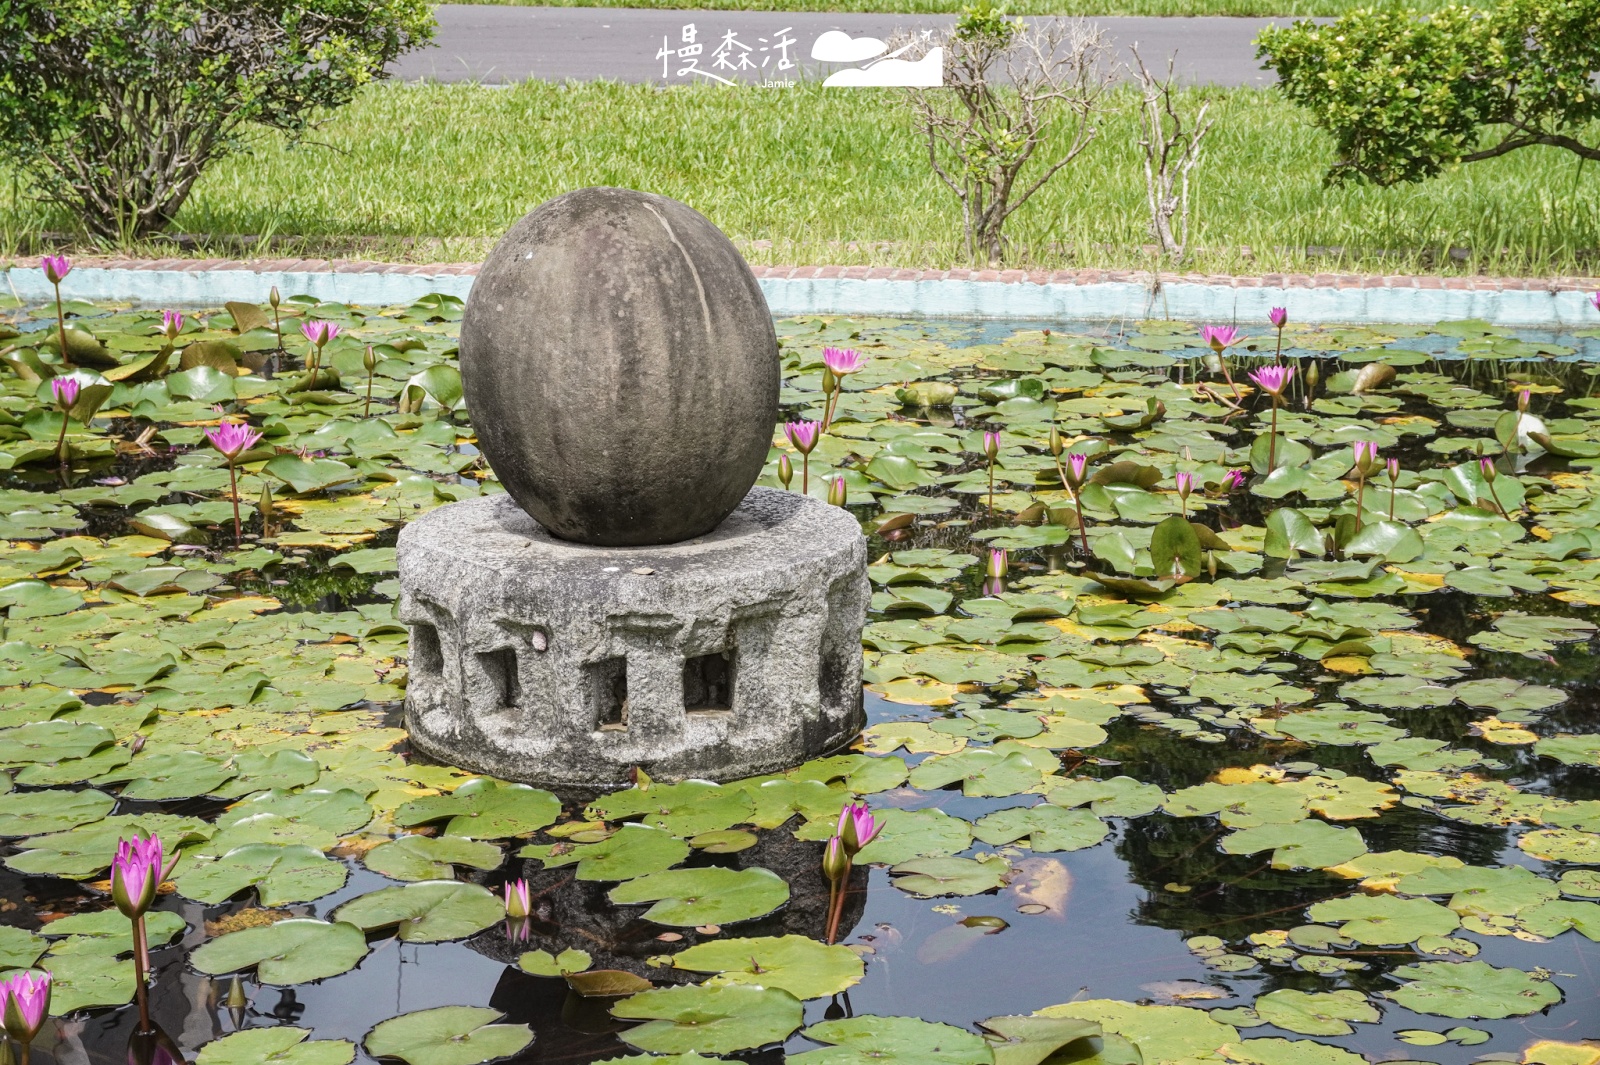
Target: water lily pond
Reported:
[(1301, 767)]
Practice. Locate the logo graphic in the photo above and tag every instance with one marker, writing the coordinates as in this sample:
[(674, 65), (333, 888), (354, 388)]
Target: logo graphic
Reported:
[(883, 70)]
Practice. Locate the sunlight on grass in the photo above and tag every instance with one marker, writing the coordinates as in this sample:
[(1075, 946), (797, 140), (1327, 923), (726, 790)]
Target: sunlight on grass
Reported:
[(808, 175)]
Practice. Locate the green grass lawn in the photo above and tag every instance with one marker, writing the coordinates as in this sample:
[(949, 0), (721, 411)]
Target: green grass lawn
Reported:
[(1017, 7), (808, 175)]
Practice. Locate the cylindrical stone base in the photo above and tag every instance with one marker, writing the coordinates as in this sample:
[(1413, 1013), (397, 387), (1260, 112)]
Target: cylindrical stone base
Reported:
[(539, 660)]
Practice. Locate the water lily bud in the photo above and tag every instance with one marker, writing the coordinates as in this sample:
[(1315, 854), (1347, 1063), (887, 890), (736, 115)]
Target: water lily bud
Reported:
[(1394, 471), (264, 505), (1057, 445), (1522, 401), (999, 562), (991, 445), (517, 899), (1313, 375), (829, 382), (1211, 564), (1486, 466), (785, 469), (273, 299), (237, 999), (835, 862), (838, 493)]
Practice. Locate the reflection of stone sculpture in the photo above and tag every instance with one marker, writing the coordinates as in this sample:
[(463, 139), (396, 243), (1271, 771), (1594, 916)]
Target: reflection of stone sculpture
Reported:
[(633, 602)]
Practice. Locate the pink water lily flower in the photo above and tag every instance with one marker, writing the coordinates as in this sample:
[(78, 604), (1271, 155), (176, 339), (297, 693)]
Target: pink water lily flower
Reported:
[(999, 562), (25, 1001), (1233, 480), (65, 391), (135, 875), (991, 445), (171, 323), (1394, 470), (1595, 299), (1278, 316), (1219, 336), (803, 435), (233, 439), (519, 903), (1077, 465), (1486, 467), (843, 361), (55, 267), (319, 332), (1366, 453), (1273, 379), (1185, 483), (857, 827)]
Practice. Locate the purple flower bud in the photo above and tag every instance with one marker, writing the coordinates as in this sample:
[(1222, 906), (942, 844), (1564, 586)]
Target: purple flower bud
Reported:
[(803, 435), (991, 445), (1394, 471), (1595, 299), (1185, 483), (55, 267), (135, 874), (1233, 480), (1366, 453), (999, 562), (518, 901), (1522, 400), (1077, 464), (856, 828), (171, 324), (25, 1000), (1278, 316), (1486, 467), (838, 492), (65, 391), (1219, 336)]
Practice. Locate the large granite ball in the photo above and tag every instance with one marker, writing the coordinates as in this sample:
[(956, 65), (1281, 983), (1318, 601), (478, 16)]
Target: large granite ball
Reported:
[(621, 370)]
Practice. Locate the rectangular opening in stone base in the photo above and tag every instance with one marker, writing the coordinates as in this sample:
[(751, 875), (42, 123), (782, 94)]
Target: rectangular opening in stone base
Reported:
[(608, 693), (500, 667), (426, 656), (708, 684)]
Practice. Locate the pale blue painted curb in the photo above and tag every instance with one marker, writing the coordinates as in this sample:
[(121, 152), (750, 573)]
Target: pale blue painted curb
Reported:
[(922, 298)]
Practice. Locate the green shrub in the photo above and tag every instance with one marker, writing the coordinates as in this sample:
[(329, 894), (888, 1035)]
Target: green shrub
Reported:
[(1407, 94), (114, 107)]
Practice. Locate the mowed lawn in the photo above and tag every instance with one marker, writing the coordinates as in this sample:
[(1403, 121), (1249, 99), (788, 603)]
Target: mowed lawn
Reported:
[(807, 175)]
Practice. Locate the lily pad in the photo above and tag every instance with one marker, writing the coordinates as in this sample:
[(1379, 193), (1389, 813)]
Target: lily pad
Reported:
[(907, 1040), (801, 966), (279, 874), (632, 851), (484, 809), (1466, 989), (694, 897), (448, 1035), (295, 951), (429, 911), (709, 1020), (275, 1046)]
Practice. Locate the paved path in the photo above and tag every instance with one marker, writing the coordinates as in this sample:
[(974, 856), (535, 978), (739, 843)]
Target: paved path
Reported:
[(496, 45)]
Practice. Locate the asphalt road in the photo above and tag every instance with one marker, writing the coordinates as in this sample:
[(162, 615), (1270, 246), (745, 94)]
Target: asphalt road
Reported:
[(498, 45)]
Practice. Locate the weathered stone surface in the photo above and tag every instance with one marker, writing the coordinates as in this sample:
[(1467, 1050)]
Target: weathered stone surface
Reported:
[(545, 661), (621, 369)]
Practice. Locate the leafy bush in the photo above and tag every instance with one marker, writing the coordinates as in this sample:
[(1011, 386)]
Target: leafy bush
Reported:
[(1406, 95), (114, 107), (1005, 82)]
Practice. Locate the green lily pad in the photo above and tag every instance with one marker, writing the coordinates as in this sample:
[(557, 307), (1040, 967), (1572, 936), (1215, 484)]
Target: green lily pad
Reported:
[(1302, 845), (1326, 1013), (632, 851), (280, 874), (276, 1046), (803, 967), (447, 1035), (1383, 920), (31, 813), (709, 1020), (430, 857), (907, 1040), (50, 741), (693, 897), (1046, 827), (931, 877), (910, 834), (1465, 989), (295, 951), (429, 911), (543, 963), (484, 809)]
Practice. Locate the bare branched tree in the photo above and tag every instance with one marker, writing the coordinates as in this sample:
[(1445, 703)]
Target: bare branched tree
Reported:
[(1012, 90), (1171, 152)]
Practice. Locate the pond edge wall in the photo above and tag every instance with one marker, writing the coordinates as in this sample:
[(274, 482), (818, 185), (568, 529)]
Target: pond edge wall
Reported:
[(899, 293)]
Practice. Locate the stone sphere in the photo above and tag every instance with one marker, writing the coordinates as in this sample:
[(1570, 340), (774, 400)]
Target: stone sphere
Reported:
[(620, 367)]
